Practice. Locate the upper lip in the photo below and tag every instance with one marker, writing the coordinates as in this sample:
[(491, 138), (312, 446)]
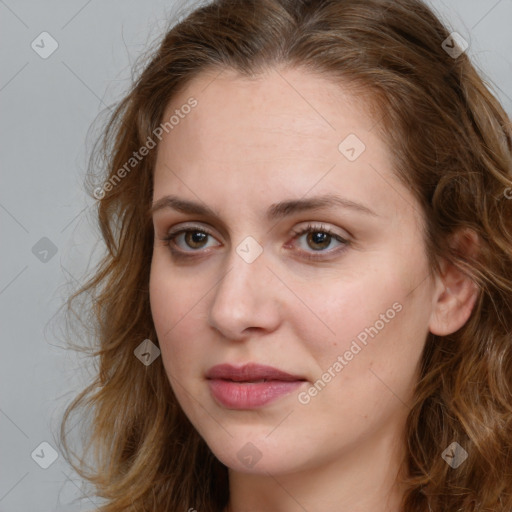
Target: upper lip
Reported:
[(249, 372)]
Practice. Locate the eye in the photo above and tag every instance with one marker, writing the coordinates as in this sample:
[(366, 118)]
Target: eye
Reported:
[(193, 238), (185, 241), (319, 238)]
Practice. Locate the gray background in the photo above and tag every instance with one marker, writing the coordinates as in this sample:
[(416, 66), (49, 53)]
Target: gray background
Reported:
[(48, 107)]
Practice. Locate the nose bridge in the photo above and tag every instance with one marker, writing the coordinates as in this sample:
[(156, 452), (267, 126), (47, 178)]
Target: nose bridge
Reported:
[(244, 297)]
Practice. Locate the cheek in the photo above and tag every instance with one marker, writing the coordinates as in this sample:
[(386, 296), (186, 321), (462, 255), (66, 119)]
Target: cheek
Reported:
[(173, 305), (372, 321), (173, 294), (344, 308)]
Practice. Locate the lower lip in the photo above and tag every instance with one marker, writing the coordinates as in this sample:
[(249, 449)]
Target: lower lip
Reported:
[(249, 395)]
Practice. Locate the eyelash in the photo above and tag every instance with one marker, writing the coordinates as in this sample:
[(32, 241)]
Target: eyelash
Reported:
[(310, 228)]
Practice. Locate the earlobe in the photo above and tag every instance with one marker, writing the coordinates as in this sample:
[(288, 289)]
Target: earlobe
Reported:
[(456, 292)]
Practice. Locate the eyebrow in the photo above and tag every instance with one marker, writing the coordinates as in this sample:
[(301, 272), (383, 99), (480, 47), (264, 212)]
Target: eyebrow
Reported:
[(275, 210)]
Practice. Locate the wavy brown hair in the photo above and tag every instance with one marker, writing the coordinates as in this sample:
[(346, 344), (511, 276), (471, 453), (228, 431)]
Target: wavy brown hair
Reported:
[(452, 146)]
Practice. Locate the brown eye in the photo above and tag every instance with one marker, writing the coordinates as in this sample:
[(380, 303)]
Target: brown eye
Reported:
[(318, 240), (195, 239), (188, 240)]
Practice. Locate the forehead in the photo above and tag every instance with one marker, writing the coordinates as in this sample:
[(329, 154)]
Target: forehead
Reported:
[(292, 110), (276, 134)]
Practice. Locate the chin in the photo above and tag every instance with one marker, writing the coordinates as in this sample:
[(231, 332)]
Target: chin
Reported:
[(257, 457)]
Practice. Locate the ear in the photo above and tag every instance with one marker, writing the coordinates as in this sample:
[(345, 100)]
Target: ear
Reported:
[(455, 292)]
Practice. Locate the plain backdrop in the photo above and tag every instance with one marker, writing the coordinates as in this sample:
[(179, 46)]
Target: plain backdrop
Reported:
[(48, 106)]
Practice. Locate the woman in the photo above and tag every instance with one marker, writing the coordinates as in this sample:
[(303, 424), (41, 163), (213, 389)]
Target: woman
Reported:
[(306, 299)]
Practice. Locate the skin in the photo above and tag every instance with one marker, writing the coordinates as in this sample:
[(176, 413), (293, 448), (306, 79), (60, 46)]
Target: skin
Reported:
[(249, 144)]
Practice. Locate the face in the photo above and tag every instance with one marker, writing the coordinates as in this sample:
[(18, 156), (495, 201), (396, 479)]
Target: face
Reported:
[(337, 295)]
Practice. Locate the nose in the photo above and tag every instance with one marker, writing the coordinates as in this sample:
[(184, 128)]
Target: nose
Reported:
[(247, 297)]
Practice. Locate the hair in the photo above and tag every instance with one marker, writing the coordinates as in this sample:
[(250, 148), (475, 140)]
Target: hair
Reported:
[(452, 147)]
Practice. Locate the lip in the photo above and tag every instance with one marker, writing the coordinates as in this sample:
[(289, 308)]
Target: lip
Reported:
[(234, 387), (249, 372)]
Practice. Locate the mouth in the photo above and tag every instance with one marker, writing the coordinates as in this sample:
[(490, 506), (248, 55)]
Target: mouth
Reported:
[(250, 386), (251, 372), (250, 381)]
